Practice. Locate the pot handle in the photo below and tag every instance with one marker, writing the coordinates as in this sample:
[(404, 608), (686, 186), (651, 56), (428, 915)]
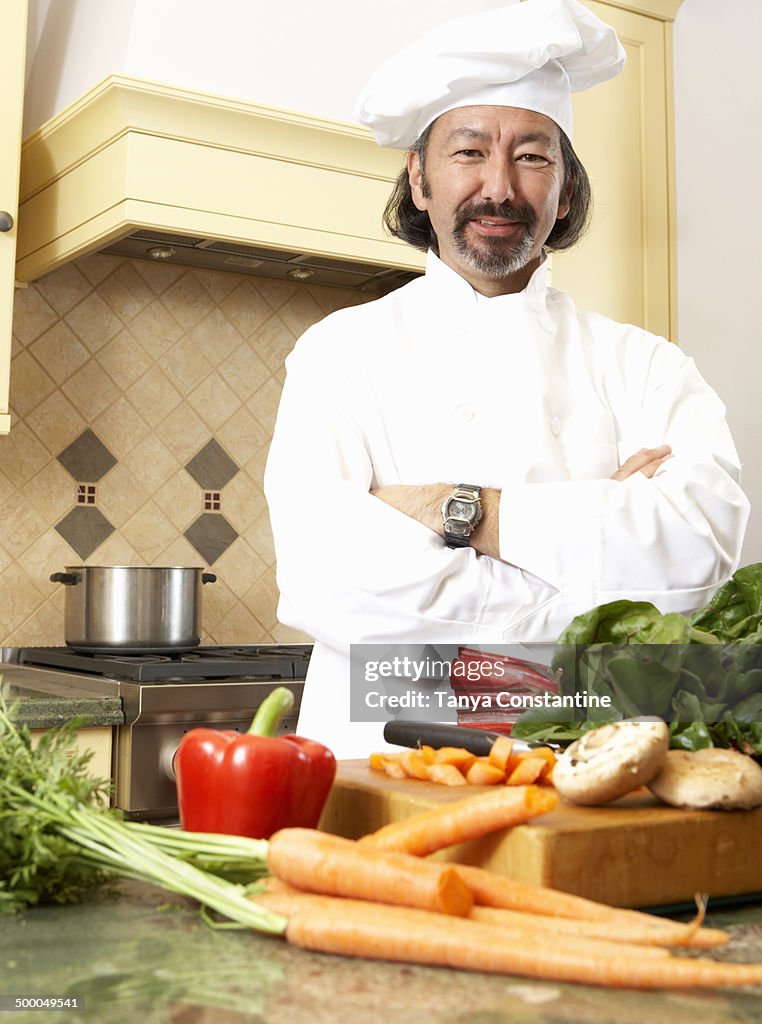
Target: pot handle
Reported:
[(70, 579), (208, 577)]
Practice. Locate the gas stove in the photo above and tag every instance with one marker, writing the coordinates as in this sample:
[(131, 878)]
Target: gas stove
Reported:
[(164, 696)]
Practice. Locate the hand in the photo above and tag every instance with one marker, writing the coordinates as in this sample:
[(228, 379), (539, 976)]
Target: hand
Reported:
[(646, 461)]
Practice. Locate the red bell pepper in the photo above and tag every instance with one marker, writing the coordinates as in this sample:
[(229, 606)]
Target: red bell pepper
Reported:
[(254, 783)]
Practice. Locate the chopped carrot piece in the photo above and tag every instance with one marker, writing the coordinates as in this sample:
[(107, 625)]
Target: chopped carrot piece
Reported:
[(547, 776), (544, 752), (500, 751), (414, 764), (522, 755), (527, 771), (445, 774), (377, 762), (458, 756), (393, 768), (482, 773), (428, 754)]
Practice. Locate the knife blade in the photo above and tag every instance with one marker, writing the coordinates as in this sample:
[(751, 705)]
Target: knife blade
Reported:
[(435, 734)]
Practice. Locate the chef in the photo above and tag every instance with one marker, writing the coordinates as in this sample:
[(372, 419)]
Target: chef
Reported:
[(471, 459)]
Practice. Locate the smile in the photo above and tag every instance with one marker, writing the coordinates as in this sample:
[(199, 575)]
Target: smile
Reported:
[(496, 227)]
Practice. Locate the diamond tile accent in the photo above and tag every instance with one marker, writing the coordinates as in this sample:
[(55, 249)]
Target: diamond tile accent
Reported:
[(212, 467), (211, 535), (84, 529), (87, 458)]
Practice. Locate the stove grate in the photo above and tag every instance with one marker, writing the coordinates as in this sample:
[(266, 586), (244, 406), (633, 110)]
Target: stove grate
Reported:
[(271, 661)]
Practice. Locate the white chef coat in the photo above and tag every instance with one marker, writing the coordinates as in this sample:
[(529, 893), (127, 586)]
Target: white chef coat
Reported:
[(437, 383)]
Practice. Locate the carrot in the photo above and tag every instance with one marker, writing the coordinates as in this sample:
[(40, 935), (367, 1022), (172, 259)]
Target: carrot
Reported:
[(291, 901), (500, 751), (392, 767), (482, 773), (630, 931), (464, 819), (403, 935), (679, 935), (457, 756), (544, 752), (493, 890), (527, 771), (414, 764), (319, 862), (445, 774)]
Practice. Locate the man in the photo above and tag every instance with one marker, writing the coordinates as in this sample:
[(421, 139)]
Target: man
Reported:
[(598, 461)]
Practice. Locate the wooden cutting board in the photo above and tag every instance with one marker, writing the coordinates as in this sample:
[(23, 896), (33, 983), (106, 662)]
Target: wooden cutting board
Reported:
[(634, 853)]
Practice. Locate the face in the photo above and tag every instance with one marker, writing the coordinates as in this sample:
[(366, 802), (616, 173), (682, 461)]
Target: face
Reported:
[(493, 189)]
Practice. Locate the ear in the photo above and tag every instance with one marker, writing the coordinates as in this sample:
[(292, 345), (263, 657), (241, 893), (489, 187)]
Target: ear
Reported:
[(415, 177)]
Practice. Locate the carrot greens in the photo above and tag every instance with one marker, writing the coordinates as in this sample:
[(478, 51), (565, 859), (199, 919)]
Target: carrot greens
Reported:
[(61, 842)]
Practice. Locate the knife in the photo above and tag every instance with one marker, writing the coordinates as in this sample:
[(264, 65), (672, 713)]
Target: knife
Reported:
[(434, 734)]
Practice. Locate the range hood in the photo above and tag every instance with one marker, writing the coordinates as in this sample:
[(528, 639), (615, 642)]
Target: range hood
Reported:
[(155, 172), (281, 264)]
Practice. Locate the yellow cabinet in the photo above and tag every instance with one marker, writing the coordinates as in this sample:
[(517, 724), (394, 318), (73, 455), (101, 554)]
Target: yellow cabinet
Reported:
[(624, 267), (97, 740), (11, 107)]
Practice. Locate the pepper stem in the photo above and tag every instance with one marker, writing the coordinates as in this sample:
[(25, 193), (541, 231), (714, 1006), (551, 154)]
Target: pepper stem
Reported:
[(270, 712)]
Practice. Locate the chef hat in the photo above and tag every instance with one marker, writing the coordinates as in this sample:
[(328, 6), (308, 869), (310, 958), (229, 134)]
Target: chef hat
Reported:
[(533, 55)]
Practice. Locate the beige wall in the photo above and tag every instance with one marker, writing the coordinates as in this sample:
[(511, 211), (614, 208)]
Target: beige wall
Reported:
[(313, 58), (718, 110), (156, 361)]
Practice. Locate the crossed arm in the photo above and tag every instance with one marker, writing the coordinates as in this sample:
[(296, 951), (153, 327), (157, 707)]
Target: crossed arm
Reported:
[(424, 502)]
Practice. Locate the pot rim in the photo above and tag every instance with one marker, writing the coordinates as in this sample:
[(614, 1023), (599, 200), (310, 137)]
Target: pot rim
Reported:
[(142, 568)]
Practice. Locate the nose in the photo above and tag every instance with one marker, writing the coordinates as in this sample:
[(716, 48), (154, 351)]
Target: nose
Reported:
[(497, 180)]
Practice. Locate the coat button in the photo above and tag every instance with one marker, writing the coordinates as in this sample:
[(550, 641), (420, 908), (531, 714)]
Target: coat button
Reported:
[(555, 426), (464, 412)]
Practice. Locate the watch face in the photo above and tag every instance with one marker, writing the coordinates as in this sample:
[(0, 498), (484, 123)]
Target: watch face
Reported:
[(461, 510)]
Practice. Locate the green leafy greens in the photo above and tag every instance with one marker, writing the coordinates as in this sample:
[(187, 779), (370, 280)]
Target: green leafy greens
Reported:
[(61, 842), (701, 673)]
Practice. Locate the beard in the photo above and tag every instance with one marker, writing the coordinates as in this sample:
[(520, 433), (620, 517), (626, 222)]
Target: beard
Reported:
[(496, 257)]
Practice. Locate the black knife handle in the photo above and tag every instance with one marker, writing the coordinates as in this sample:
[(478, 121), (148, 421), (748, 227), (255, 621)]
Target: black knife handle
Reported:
[(434, 734)]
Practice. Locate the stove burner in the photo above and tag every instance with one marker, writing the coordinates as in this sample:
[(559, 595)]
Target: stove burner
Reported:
[(274, 661)]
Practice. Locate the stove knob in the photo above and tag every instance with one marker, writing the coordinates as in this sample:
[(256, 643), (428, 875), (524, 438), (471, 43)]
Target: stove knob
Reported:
[(167, 759)]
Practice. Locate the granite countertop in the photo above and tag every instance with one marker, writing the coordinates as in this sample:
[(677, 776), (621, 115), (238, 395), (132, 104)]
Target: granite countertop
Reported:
[(42, 712), (147, 956), (43, 702)]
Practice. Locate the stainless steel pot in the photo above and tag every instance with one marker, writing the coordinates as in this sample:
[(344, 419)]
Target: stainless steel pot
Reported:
[(132, 609)]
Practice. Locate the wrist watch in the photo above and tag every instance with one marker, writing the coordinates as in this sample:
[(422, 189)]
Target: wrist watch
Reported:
[(461, 514)]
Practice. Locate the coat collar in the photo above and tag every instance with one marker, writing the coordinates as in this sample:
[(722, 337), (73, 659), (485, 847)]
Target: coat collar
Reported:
[(454, 291)]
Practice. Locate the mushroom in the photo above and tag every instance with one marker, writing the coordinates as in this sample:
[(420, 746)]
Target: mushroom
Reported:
[(612, 760), (712, 777)]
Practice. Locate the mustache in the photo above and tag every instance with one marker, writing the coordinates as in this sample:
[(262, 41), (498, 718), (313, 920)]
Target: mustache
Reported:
[(505, 211)]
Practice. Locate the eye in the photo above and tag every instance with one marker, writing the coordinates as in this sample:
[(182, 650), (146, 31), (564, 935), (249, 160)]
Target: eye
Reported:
[(533, 158), (468, 153)]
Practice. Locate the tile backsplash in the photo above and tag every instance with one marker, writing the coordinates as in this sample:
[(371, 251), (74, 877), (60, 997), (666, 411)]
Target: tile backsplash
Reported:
[(143, 399)]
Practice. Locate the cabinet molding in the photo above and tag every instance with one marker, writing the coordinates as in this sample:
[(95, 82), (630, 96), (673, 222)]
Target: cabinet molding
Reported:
[(665, 10), (624, 267), (11, 106)]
